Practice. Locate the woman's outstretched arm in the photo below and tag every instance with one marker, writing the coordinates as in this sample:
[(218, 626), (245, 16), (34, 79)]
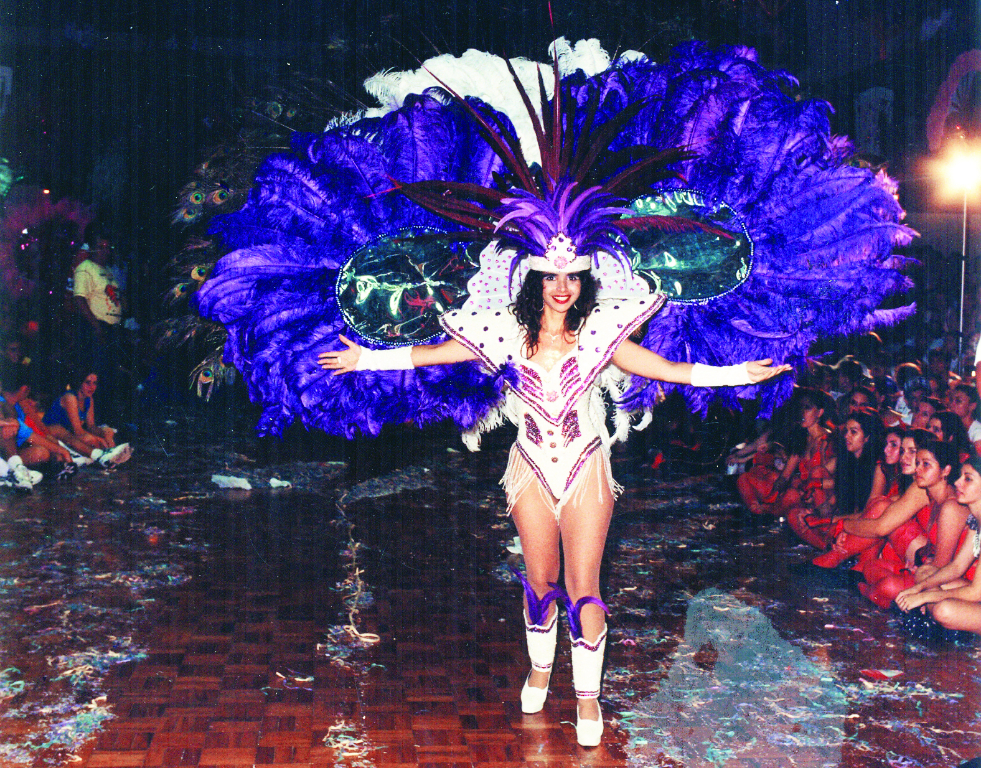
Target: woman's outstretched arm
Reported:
[(897, 513), (347, 360), (635, 359)]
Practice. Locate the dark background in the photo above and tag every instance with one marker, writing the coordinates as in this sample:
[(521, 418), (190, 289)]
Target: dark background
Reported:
[(114, 102)]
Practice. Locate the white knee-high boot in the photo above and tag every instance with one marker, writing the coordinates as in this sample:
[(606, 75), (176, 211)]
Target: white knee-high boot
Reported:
[(541, 650), (587, 670), (540, 635)]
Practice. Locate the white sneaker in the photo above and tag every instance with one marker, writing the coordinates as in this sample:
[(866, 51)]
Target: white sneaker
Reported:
[(22, 477), (77, 458), (116, 455)]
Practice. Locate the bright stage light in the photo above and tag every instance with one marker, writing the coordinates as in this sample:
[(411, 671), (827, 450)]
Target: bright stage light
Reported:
[(961, 168)]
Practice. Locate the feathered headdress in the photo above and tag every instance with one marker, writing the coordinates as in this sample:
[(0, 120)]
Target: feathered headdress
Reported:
[(562, 214)]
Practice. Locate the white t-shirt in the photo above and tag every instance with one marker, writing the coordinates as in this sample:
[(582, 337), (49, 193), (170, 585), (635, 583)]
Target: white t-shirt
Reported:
[(974, 431), (99, 288)]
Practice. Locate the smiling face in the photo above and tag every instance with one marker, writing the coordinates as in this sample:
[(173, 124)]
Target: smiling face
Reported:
[(893, 448), (560, 291), (928, 470), (855, 438), (907, 456), (968, 485)]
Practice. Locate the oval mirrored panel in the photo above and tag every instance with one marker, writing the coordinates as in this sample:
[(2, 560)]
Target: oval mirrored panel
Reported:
[(714, 256), (393, 290)]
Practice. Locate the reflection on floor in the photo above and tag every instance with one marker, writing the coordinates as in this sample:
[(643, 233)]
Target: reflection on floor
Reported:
[(151, 618)]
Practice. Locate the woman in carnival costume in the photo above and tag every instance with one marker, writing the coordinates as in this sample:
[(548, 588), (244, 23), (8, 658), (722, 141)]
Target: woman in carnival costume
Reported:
[(491, 260), (559, 483)]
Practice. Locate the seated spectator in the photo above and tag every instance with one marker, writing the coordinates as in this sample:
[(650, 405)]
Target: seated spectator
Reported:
[(766, 489), (887, 391), (850, 374), (923, 527), (925, 410), (71, 419), (948, 428), (27, 446), (892, 478), (952, 594), (938, 367), (857, 398), (964, 401), (849, 477), (907, 377)]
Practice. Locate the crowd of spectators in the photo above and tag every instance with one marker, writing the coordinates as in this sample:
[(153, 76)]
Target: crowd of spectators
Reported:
[(49, 423), (878, 469)]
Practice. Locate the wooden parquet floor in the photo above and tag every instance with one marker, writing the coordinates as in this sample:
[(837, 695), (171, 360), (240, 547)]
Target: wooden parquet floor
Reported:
[(248, 664), (237, 674)]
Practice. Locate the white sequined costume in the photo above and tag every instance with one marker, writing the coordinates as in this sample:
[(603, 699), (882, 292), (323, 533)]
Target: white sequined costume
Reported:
[(560, 413)]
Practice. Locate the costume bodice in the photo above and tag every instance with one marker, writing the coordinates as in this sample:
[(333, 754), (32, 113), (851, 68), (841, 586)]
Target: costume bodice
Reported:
[(559, 411)]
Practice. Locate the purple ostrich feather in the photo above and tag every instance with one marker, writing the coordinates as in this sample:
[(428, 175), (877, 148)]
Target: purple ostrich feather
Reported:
[(528, 222), (823, 231)]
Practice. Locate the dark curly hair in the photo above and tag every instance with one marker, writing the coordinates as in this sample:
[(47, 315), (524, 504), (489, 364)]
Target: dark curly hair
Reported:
[(529, 304), (853, 474)]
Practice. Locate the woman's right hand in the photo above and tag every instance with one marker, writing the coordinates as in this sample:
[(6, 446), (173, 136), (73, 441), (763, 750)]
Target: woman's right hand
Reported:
[(342, 360)]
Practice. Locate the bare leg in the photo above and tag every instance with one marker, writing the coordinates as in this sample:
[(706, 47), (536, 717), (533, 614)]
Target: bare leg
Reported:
[(539, 534), (8, 447), (33, 454), (584, 526), (73, 441), (958, 614)]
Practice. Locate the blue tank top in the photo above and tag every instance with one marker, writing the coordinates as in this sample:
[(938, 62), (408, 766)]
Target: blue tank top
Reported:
[(57, 414), (23, 431)]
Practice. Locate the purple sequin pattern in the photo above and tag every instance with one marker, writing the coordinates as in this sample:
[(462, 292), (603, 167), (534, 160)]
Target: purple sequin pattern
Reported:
[(570, 427), (532, 430)]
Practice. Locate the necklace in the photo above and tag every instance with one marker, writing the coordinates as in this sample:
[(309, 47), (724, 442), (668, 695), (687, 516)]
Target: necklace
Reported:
[(554, 336)]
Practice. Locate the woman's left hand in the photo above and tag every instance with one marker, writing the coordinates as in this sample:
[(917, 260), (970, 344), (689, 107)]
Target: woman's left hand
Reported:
[(761, 370)]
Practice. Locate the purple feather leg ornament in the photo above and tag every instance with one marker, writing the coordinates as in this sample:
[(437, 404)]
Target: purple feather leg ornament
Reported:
[(574, 612), (538, 607)]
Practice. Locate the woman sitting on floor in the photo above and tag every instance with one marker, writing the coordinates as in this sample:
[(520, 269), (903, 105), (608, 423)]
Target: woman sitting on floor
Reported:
[(893, 476), (764, 488), (849, 478), (948, 428), (952, 594), (923, 527), (71, 419), (966, 405)]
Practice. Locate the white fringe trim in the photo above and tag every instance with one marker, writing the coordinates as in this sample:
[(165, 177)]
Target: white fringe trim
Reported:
[(519, 477)]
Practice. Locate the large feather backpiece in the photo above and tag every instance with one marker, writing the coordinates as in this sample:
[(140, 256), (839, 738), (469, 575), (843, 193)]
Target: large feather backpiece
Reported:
[(821, 233)]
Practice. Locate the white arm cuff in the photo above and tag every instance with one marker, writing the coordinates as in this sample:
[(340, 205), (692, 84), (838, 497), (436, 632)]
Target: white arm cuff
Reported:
[(719, 375), (398, 359)]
